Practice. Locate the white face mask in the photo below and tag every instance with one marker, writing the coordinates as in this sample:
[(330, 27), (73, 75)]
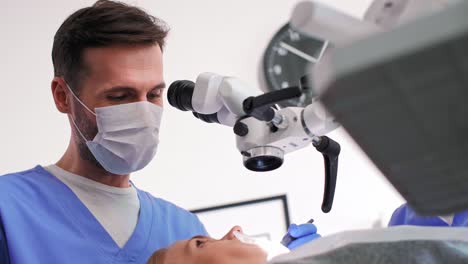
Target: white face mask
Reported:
[(128, 135)]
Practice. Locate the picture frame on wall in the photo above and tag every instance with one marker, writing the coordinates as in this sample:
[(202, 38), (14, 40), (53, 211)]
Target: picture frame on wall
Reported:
[(264, 217)]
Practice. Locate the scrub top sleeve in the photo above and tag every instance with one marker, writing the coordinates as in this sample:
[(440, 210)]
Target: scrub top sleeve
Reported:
[(4, 256)]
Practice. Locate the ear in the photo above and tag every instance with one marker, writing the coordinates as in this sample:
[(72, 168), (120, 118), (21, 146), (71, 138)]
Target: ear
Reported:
[(60, 92)]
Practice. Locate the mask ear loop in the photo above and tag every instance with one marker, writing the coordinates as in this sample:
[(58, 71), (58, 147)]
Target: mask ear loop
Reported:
[(76, 126), (78, 99), (73, 120)]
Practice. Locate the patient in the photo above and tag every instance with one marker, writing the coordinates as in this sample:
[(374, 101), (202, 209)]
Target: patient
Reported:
[(206, 250)]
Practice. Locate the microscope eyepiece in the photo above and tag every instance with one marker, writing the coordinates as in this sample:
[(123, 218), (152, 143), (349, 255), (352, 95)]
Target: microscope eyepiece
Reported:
[(180, 95), (213, 118)]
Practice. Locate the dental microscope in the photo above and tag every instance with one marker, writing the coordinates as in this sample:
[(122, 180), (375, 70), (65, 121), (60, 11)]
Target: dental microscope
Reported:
[(264, 132)]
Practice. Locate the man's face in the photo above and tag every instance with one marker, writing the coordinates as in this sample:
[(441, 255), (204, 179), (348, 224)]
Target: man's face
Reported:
[(116, 75), (205, 250)]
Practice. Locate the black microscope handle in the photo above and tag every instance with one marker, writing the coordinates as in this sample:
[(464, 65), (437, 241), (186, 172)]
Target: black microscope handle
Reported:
[(330, 150), (260, 106)]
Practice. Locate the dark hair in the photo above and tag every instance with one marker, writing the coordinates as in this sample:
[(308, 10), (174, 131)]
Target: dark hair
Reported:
[(106, 23)]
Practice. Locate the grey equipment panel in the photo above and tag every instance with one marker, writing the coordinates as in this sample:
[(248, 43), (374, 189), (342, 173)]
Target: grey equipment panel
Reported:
[(416, 252), (402, 95), (401, 244)]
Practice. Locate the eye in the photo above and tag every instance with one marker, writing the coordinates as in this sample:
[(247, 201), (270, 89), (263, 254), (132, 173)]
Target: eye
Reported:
[(199, 243), (156, 93), (117, 97)]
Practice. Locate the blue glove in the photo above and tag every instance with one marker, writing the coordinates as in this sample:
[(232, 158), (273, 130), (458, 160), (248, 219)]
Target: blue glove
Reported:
[(299, 234)]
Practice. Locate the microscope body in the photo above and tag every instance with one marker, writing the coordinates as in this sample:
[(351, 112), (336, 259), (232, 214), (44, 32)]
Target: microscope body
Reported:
[(292, 128)]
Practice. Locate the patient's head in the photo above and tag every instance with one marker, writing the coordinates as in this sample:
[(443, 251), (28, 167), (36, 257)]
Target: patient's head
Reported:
[(205, 250)]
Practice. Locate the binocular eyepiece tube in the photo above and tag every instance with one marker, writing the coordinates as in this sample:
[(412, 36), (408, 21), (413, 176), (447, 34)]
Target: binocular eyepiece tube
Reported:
[(180, 95)]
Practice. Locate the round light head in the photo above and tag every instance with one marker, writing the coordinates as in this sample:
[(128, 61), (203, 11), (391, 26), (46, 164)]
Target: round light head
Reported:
[(263, 158)]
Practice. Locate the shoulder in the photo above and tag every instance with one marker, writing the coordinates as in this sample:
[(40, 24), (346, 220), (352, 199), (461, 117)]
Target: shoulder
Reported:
[(403, 209), (169, 208), (405, 215), (172, 214), (15, 178), (401, 215), (21, 182)]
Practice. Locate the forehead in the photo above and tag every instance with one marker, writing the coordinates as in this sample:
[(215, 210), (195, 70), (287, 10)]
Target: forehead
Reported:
[(140, 62)]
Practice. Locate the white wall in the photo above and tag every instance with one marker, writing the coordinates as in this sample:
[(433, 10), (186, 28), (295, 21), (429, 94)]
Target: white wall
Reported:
[(197, 164)]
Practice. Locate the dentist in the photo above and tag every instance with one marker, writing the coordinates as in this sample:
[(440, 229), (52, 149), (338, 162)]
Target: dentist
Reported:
[(83, 209)]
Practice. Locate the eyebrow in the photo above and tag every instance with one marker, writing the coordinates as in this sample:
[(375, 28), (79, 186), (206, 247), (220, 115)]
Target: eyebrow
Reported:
[(126, 88), (195, 237), (160, 86)]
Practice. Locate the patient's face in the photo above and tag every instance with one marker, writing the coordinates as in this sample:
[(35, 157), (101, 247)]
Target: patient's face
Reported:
[(205, 250)]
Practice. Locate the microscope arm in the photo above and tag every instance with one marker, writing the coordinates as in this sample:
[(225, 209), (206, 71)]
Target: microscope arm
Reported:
[(391, 13), (319, 20)]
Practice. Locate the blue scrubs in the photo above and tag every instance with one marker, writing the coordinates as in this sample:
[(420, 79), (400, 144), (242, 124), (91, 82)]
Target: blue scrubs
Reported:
[(4, 257), (44, 222), (406, 216)]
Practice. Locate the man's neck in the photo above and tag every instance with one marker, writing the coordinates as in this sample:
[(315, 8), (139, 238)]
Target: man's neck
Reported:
[(72, 162)]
